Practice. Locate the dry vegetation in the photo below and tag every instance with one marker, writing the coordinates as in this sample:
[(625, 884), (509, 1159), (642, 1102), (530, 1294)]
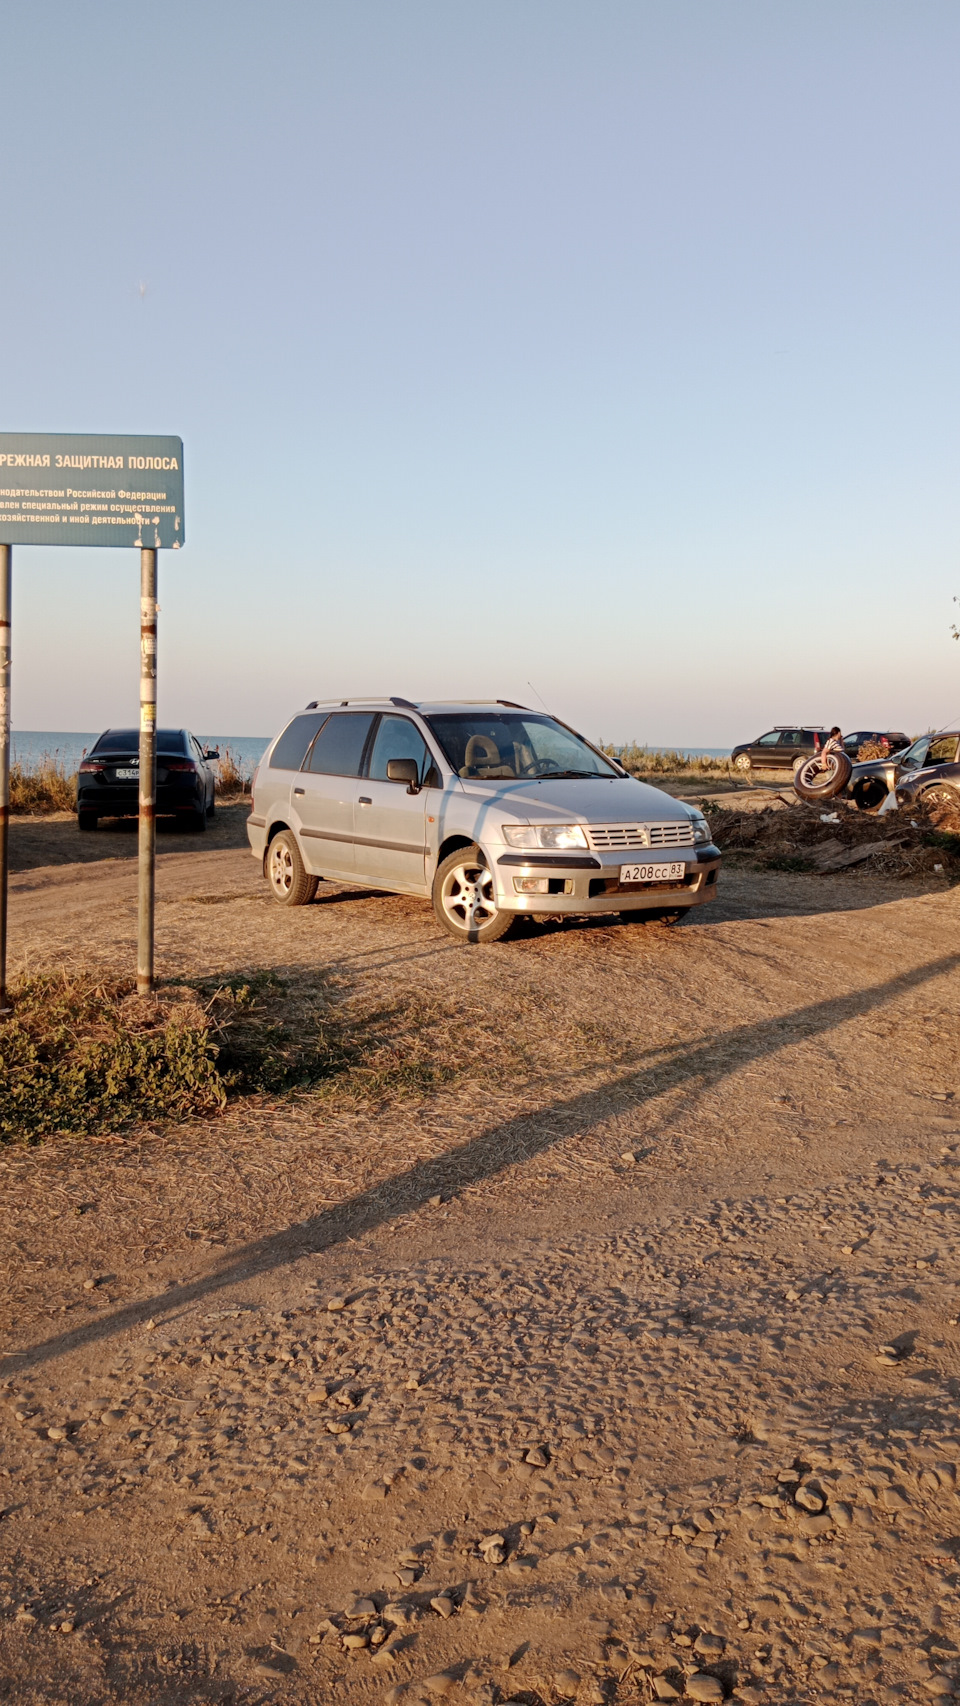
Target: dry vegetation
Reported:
[(42, 789), (924, 842), (86, 1056), (650, 763)]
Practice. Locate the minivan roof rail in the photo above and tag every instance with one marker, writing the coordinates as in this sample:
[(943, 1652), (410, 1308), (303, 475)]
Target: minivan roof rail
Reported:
[(512, 705), (361, 699), (782, 728)]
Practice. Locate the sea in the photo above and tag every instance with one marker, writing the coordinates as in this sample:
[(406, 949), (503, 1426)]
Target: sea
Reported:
[(34, 747)]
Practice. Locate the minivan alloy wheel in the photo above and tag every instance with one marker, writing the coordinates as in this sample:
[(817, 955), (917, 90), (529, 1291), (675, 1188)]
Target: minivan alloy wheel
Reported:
[(464, 898), (290, 883)]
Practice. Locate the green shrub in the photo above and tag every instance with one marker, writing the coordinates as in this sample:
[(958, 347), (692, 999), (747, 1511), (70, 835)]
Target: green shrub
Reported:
[(80, 1055)]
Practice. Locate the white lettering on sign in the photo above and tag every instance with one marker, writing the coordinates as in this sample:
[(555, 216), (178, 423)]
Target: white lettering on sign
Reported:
[(23, 459), (84, 461), (152, 462)]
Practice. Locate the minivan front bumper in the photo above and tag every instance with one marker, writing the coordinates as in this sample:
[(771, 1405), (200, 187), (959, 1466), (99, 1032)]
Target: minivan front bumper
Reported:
[(590, 882)]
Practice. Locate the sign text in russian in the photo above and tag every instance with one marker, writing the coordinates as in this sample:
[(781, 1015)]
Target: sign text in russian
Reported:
[(88, 489)]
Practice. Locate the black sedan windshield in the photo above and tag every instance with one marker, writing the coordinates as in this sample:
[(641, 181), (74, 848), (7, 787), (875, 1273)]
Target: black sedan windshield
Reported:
[(128, 740), (490, 745)]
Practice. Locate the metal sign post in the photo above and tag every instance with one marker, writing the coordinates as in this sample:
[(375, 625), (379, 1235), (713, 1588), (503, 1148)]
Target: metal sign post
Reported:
[(6, 588), (147, 846), (88, 489)]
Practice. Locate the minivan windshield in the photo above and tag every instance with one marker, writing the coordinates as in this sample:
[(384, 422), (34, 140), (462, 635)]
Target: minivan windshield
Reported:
[(490, 746)]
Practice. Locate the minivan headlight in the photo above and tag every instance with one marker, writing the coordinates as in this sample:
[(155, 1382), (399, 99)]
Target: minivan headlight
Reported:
[(556, 835), (701, 831)]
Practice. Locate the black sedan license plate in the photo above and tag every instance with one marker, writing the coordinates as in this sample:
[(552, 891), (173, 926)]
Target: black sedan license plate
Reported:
[(652, 873)]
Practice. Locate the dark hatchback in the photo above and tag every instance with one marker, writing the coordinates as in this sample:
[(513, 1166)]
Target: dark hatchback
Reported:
[(108, 784)]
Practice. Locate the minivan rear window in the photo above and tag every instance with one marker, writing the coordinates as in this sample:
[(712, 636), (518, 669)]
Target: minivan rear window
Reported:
[(291, 749), (338, 748)]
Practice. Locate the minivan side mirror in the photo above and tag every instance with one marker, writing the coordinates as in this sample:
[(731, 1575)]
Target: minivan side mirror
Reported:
[(214, 753), (404, 770)]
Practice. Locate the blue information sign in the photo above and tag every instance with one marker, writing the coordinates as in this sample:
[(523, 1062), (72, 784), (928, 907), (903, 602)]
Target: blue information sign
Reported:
[(88, 489)]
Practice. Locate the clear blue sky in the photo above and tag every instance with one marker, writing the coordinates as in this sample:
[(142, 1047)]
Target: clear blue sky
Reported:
[(609, 346)]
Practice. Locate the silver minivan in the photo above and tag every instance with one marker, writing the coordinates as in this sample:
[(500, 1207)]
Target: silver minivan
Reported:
[(488, 809)]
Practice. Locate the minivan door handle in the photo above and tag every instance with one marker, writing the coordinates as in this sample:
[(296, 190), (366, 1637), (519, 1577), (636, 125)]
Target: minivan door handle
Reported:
[(365, 800), (299, 790)]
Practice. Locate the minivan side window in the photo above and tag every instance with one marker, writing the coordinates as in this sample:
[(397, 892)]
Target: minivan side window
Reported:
[(769, 740), (291, 749), (338, 748), (397, 737), (943, 750)]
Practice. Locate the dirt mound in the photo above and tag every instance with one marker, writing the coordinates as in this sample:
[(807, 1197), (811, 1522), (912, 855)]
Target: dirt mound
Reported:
[(836, 837)]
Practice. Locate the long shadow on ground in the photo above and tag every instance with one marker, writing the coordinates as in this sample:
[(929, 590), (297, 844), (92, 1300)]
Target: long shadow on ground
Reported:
[(702, 1065)]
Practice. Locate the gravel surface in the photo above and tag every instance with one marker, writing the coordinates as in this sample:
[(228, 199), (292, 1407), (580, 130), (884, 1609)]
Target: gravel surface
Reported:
[(622, 1366)]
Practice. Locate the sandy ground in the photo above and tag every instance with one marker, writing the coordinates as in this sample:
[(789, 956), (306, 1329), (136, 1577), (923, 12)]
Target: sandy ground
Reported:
[(622, 1366)]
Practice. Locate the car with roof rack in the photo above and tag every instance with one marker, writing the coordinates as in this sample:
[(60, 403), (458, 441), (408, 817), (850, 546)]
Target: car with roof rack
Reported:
[(785, 747), (489, 809)]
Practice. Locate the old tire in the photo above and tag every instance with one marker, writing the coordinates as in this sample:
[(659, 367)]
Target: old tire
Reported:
[(87, 820), (464, 898), (822, 779), (290, 884)]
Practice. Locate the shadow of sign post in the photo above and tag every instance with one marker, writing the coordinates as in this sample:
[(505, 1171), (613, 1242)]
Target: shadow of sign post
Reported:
[(90, 489)]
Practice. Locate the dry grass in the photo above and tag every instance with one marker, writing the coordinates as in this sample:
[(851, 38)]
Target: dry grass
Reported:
[(645, 761), (232, 779), (83, 1055), (43, 789)]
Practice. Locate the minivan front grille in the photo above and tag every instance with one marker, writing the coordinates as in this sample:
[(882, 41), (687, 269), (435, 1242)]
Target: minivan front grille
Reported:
[(611, 837), (671, 834)]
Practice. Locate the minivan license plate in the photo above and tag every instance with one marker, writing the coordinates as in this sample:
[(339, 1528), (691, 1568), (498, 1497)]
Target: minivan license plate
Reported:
[(652, 873), (127, 775)]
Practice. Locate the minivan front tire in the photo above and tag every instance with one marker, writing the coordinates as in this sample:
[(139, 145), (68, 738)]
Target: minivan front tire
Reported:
[(464, 898), (290, 884)]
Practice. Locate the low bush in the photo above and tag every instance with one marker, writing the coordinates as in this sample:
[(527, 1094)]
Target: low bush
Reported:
[(81, 1055), (47, 788), (85, 1055)]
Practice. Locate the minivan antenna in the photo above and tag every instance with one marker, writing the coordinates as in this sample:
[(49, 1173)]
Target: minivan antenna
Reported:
[(539, 696)]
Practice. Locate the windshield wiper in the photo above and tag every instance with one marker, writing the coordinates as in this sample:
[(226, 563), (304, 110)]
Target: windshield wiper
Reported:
[(557, 775)]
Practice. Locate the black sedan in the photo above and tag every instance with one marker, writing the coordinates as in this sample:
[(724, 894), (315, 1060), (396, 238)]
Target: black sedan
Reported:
[(108, 784), (928, 770)]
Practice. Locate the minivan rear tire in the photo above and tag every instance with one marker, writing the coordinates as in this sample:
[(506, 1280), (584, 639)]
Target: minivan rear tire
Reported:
[(464, 901), (290, 883), (87, 820)]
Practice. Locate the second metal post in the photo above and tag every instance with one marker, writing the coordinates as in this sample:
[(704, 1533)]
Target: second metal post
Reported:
[(148, 770)]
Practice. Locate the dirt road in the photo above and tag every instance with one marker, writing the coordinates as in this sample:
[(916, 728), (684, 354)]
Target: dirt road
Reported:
[(617, 1361)]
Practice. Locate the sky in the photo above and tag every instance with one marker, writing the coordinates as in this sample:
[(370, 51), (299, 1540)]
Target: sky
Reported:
[(603, 356)]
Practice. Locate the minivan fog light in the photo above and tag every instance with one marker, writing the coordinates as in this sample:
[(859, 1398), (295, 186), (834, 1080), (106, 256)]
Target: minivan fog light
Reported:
[(532, 885)]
